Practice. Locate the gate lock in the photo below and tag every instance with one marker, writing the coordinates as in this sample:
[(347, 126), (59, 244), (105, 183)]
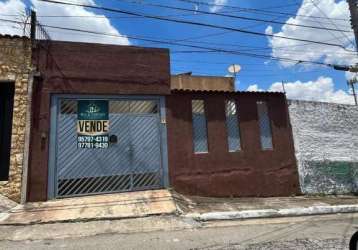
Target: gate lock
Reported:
[(113, 139)]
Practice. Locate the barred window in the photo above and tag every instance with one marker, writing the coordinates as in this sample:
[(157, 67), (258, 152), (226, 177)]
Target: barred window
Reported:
[(138, 107), (200, 137), (232, 126), (265, 126)]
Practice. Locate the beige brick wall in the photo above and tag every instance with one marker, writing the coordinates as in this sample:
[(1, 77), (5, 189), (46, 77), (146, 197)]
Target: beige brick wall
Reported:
[(15, 66)]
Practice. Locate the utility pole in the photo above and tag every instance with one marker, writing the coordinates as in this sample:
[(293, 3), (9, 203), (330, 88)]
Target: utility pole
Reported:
[(351, 84), (354, 18), (33, 27)]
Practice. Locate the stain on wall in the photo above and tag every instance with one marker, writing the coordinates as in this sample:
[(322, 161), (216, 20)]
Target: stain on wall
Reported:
[(326, 146)]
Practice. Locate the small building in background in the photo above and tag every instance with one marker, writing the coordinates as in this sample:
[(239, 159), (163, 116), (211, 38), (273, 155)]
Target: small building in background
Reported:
[(203, 83)]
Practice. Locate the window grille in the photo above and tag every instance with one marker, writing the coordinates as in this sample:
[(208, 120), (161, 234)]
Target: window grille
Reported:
[(200, 138), (232, 126), (265, 126)]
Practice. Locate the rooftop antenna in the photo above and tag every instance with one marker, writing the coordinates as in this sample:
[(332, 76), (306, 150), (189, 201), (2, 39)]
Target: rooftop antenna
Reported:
[(234, 69)]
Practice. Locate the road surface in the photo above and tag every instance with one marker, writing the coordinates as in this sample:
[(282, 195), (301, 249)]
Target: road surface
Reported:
[(313, 232)]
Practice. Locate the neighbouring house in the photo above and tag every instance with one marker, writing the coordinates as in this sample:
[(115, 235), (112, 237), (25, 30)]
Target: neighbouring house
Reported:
[(15, 71), (326, 144)]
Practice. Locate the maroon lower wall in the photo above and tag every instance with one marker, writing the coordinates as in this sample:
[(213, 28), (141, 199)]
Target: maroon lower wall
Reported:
[(84, 68), (250, 172)]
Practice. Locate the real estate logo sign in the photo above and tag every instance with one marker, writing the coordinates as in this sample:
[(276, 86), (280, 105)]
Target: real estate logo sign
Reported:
[(92, 124)]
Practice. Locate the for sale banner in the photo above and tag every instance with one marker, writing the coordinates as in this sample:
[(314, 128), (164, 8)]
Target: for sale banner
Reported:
[(92, 124)]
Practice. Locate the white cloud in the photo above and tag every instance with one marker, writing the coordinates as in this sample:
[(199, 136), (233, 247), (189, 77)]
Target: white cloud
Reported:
[(218, 3), (321, 90), (313, 52), (254, 87), (350, 75), (92, 21), (7, 10)]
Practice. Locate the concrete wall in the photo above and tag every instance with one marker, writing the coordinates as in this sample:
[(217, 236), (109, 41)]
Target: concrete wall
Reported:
[(326, 146), (15, 58), (213, 83), (220, 173)]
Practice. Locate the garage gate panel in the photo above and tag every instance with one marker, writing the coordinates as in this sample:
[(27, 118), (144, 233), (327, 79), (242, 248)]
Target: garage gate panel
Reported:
[(132, 162)]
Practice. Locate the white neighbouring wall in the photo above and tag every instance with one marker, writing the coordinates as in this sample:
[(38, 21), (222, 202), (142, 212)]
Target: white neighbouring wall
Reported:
[(326, 146)]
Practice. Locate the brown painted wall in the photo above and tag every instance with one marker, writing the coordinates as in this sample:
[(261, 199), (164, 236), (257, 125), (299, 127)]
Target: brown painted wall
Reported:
[(83, 68), (251, 172)]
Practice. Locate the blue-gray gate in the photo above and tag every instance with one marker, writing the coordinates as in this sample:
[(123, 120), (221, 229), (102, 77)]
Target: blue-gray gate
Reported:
[(134, 160)]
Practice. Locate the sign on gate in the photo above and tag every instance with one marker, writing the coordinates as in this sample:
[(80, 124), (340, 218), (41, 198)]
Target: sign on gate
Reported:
[(92, 124)]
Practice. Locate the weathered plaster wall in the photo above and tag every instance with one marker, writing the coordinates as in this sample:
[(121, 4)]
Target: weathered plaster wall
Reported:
[(15, 58), (326, 146)]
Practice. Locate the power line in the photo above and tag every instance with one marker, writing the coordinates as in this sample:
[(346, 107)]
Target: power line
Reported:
[(257, 10), (208, 49), (194, 23), (323, 13), (216, 62), (234, 16), (247, 47), (190, 39), (234, 52)]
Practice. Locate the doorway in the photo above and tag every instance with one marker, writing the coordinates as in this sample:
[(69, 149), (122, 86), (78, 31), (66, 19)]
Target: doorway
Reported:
[(7, 91)]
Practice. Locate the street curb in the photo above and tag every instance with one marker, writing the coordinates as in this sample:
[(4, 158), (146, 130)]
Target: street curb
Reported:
[(273, 213)]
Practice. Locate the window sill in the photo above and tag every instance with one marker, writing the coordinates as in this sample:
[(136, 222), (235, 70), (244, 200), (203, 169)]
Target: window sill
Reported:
[(237, 151), (3, 182)]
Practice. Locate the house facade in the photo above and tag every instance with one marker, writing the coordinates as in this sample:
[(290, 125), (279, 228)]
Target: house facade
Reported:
[(117, 93), (108, 118)]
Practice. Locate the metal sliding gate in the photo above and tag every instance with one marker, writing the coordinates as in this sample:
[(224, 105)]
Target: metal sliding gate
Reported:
[(132, 159)]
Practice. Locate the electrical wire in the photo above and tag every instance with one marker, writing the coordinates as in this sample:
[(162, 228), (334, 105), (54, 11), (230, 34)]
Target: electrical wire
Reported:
[(257, 10), (208, 49), (232, 16), (194, 23), (323, 13)]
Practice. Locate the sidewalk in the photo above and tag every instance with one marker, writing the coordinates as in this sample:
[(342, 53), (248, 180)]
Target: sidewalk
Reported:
[(206, 209), (6, 204), (163, 202), (89, 208)]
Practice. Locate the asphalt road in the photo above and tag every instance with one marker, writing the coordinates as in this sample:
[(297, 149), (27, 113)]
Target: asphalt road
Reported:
[(314, 232)]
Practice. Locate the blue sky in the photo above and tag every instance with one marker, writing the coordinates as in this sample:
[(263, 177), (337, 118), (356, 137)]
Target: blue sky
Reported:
[(303, 81)]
